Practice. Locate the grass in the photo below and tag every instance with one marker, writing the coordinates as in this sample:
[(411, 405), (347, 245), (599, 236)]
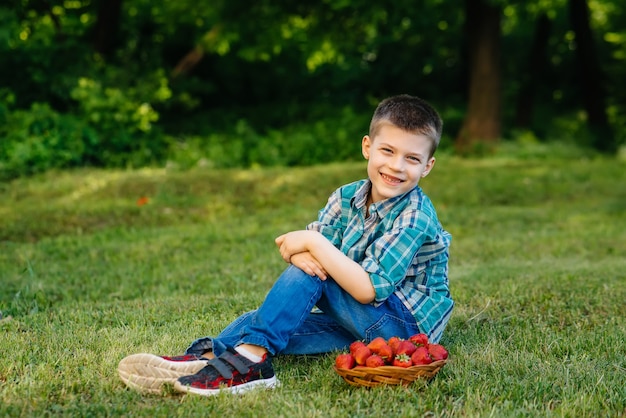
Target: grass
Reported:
[(87, 277)]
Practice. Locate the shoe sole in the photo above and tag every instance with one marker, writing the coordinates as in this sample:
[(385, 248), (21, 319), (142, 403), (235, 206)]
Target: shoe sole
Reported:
[(148, 373), (239, 389)]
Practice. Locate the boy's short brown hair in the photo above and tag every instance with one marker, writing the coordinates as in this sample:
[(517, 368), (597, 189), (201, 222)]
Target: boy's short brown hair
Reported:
[(410, 114)]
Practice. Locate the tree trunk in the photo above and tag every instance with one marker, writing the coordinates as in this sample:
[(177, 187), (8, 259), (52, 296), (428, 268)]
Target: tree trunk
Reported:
[(591, 78), (532, 73), (107, 25), (482, 125)]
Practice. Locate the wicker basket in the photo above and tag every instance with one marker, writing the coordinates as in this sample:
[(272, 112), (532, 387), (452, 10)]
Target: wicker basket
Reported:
[(389, 375)]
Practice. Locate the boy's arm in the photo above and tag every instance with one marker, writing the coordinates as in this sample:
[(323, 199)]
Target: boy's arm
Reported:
[(307, 263), (347, 273)]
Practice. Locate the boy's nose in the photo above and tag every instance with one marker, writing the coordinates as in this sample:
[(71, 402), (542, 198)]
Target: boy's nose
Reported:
[(396, 164)]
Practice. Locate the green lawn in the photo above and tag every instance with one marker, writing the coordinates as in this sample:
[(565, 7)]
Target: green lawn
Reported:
[(538, 272)]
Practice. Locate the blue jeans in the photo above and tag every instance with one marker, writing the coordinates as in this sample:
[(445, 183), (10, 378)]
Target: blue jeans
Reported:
[(285, 323)]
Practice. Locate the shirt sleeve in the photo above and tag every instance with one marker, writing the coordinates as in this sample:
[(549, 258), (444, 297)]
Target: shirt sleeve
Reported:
[(388, 258), (329, 222)]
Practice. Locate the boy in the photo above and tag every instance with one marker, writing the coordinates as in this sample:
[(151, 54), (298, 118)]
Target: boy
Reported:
[(375, 263)]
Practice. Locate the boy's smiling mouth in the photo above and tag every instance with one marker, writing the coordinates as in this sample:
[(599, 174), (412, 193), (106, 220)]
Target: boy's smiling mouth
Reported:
[(390, 179)]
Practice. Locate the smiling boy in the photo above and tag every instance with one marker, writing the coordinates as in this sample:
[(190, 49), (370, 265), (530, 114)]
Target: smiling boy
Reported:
[(375, 263)]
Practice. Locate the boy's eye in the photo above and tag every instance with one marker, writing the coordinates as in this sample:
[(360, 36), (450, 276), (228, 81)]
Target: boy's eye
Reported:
[(415, 159), (386, 150)]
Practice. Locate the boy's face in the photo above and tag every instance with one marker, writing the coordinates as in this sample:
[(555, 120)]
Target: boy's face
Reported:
[(396, 161)]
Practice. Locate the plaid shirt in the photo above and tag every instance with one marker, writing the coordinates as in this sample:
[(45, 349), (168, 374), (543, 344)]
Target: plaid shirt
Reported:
[(401, 245)]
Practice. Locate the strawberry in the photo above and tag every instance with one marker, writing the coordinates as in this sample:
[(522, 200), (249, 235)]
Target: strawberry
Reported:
[(361, 354), (379, 346), (402, 360), (421, 356), (356, 345), (345, 361), (386, 353), (393, 343), (405, 347), (376, 344), (419, 339), (437, 352), (374, 361)]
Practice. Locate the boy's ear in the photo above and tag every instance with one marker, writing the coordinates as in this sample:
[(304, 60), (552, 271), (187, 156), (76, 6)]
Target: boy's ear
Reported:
[(429, 166), (366, 143)]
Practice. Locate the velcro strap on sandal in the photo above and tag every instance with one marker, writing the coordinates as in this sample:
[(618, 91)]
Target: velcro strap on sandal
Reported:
[(236, 362), (221, 364)]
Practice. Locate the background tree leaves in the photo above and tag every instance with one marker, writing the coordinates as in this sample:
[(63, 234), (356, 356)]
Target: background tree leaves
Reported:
[(199, 71)]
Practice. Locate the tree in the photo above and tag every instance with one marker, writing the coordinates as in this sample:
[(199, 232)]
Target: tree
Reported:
[(591, 78), (482, 122), (106, 27), (532, 72)]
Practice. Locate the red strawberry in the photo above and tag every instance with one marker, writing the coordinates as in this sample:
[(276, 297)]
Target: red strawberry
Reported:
[(386, 353), (437, 352), (362, 353), (379, 346), (419, 339), (402, 360), (376, 343), (393, 343), (345, 361), (355, 346), (405, 347), (374, 361), (421, 356)]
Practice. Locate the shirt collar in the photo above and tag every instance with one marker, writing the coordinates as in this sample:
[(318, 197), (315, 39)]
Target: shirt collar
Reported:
[(383, 207)]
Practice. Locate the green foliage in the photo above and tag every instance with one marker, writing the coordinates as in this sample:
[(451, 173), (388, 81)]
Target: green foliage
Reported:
[(111, 127), (124, 118), (40, 139), (42, 52), (275, 82), (335, 138)]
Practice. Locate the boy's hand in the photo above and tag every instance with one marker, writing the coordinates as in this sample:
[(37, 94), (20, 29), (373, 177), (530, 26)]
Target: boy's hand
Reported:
[(307, 263), (294, 242)]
